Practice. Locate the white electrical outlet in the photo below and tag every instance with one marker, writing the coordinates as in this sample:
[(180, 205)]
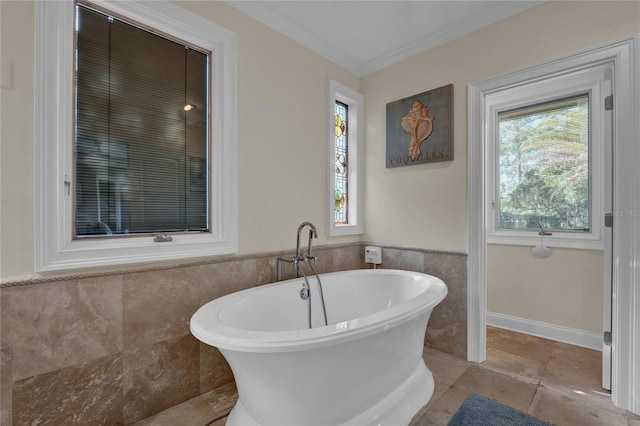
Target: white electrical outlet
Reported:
[(373, 255)]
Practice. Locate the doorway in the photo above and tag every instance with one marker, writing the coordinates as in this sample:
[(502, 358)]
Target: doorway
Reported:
[(624, 252)]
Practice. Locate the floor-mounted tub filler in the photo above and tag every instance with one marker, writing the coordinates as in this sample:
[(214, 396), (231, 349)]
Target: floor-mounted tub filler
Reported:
[(364, 368)]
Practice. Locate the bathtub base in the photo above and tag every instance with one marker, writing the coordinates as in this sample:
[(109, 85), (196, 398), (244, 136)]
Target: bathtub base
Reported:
[(397, 408)]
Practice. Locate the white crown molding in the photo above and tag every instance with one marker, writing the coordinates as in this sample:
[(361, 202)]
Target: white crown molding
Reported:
[(452, 32), (459, 29), (274, 21)]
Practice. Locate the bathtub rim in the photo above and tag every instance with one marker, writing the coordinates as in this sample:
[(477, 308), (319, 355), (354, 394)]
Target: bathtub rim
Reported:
[(230, 338)]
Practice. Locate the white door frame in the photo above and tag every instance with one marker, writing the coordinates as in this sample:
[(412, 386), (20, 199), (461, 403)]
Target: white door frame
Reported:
[(625, 387)]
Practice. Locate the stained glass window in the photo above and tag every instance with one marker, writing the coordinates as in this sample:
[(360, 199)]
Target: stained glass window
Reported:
[(341, 175)]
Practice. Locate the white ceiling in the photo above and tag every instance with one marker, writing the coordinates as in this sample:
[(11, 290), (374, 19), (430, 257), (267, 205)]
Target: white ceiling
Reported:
[(363, 36)]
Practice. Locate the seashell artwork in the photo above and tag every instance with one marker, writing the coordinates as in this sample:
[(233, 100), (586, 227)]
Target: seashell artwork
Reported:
[(420, 128)]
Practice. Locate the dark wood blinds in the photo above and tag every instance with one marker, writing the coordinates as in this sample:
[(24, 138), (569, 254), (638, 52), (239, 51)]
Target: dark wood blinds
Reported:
[(141, 130)]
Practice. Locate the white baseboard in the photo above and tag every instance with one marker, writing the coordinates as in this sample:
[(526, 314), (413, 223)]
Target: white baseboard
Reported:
[(558, 333)]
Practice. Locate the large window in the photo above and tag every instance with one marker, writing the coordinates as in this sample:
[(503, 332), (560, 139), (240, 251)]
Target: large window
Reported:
[(142, 142), (546, 153), (141, 139), (543, 166), (345, 172)]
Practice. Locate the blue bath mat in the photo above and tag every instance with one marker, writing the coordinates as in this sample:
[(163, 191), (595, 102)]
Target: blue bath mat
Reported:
[(477, 410)]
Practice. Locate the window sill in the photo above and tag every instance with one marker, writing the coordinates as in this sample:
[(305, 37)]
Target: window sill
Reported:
[(339, 230), (115, 251), (557, 240)]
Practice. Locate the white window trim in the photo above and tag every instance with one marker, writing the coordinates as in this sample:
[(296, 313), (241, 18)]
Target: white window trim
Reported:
[(354, 100), (54, 247), (539, 90)]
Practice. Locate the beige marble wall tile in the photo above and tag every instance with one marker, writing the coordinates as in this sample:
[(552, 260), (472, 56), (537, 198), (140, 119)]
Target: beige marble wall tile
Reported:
[(158, 305), (323, 262), (5, 319), (407, 260), (447, 328), (347, 258), (6, 387), (450, 267), (214, 369), (266, 270), (62, 324), (288, 269), (87, 394), (6, 382), (219, 279), (159, 376)]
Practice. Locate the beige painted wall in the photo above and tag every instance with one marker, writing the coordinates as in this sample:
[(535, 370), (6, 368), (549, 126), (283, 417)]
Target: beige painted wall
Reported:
[(564, 289), (281, 135), (425, 205)]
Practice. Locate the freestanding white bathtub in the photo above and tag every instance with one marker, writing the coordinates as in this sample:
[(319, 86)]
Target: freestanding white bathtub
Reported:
[(364, 368)]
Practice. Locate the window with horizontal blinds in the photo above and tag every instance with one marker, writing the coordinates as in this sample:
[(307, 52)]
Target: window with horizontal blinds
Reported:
[(141, 130)]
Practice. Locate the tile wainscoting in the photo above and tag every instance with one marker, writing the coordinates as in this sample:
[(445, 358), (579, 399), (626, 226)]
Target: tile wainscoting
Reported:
[(114, 347)]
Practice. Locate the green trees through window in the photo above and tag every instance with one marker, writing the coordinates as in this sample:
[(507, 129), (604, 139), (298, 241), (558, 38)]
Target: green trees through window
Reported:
[(544, 166)]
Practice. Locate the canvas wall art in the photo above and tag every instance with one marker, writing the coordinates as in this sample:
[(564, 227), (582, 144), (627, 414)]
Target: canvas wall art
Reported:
[(420, 128)]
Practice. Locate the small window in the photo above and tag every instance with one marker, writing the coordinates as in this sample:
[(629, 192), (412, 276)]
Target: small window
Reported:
[(342, 162), (345, 212), (141, 139), (544, 166)]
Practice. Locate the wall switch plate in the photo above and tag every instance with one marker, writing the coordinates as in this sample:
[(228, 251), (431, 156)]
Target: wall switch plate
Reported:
[(373, 255)]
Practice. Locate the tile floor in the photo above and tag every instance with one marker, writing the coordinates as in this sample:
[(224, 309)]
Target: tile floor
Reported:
[(552, 381)]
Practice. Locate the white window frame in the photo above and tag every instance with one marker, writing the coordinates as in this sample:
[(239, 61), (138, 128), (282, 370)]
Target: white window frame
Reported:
[(55, 248), (354, 101), (587, 80)]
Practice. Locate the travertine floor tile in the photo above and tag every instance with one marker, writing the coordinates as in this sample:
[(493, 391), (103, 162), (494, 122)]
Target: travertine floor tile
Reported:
[(476, 379), (633, 419), (442, 409), (523, 345), (197, 411), (424, 420), (525, 369), (563, 410), (499, 387), (577, 373), (440, 389), (445, 368)]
